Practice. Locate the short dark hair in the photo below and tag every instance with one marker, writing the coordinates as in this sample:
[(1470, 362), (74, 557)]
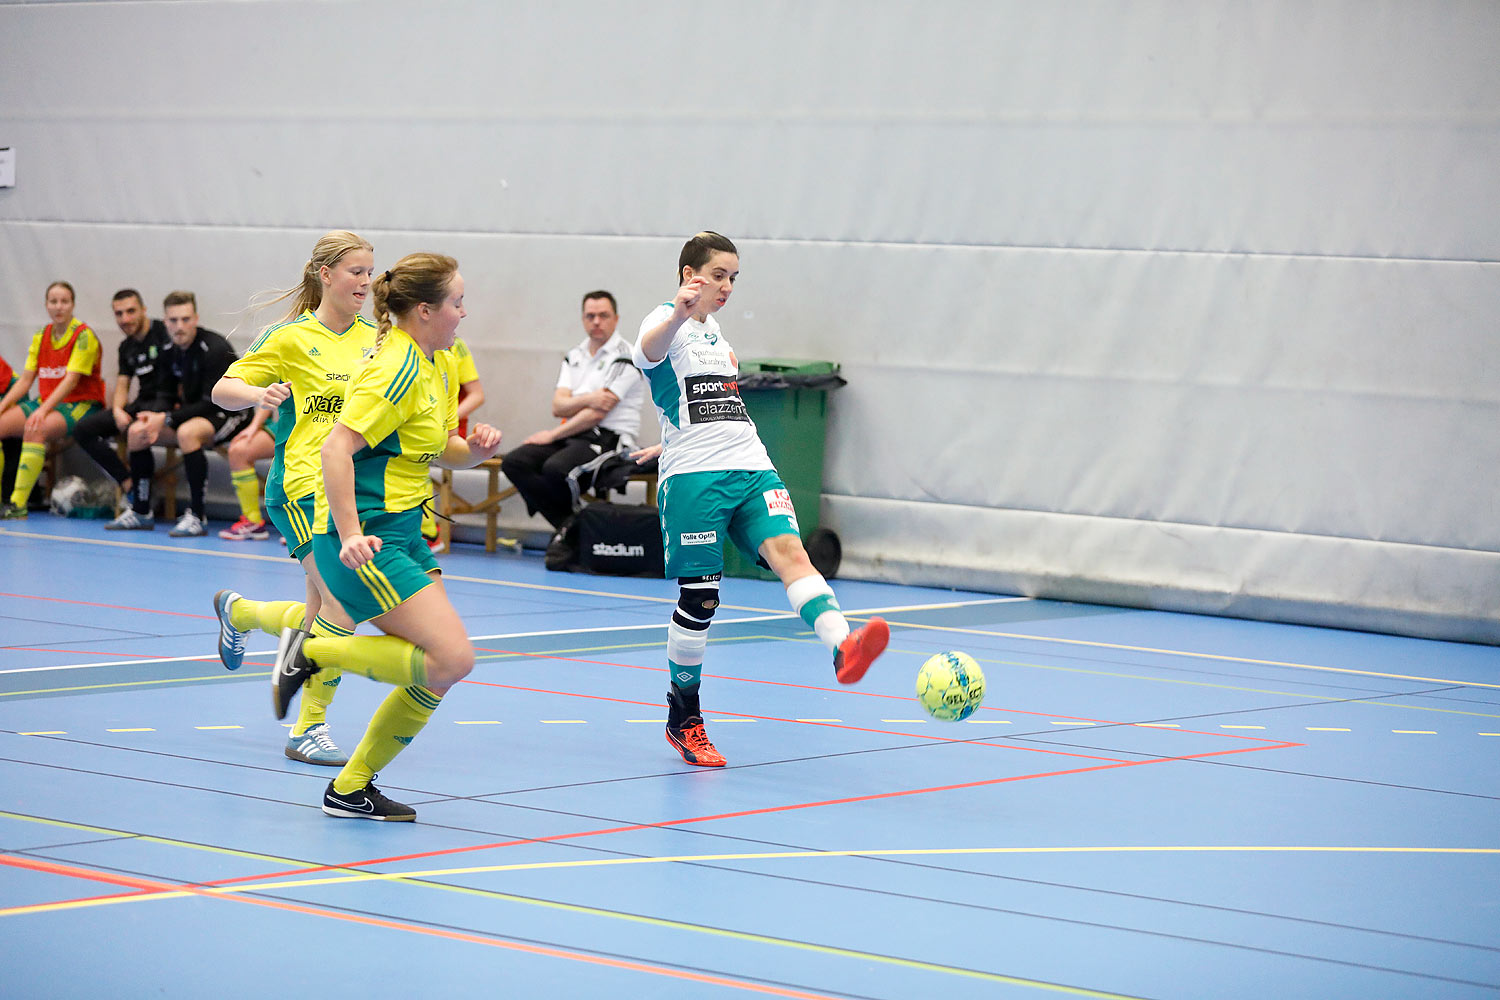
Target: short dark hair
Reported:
[(600, 294), (180, 298), (128, 293), (697, 251)]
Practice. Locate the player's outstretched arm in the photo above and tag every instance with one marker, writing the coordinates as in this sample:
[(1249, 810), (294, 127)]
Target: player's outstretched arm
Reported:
[(656, 341)]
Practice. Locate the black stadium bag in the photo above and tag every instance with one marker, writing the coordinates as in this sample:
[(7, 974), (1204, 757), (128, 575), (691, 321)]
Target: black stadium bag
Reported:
[(620, 540)]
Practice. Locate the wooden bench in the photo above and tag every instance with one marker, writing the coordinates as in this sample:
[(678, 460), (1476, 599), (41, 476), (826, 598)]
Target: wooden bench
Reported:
[(451, 503)]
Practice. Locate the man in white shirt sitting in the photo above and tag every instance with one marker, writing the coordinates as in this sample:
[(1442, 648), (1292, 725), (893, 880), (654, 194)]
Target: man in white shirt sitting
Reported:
[(598, 399)]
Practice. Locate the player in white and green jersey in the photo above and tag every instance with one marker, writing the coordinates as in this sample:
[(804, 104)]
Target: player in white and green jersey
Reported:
[(401, 416), (301, 368), (718, 484)]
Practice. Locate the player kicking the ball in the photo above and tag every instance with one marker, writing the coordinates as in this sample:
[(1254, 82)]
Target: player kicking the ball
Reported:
[(717, 482)]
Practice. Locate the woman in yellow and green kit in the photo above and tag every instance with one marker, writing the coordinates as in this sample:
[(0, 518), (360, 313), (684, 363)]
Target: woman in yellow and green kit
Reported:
[(399, 417), (300, 368)]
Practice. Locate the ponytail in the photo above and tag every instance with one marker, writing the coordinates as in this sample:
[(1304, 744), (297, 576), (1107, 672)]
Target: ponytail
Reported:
[(416, 278)]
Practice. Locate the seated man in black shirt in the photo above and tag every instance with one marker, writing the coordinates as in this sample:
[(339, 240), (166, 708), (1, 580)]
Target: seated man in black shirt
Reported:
[(197, 359), (142, 357)]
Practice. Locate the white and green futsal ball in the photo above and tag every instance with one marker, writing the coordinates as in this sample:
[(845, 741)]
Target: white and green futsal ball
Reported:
[(950, 686)]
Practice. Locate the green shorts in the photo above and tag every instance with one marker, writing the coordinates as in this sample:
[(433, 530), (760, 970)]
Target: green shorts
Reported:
[(698, 509), (70, 412), (294, 520), (397, 573)]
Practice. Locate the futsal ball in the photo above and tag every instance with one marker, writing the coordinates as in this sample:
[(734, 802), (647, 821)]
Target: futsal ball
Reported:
[(950, 686)]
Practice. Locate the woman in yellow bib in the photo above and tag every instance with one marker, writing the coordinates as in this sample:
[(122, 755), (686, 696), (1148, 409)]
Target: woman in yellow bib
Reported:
[(64, 362), (399, 418)]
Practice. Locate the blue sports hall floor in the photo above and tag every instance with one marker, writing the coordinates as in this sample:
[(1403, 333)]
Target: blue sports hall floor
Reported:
[(1147, 805)]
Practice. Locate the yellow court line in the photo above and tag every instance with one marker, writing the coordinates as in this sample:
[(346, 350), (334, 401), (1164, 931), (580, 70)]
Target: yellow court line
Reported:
[(1188, 653), (415, 877), (125, 684), (148, 839), (884, 853), (1207, 684)]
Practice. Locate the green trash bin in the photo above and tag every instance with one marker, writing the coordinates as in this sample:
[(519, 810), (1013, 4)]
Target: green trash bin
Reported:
[(788, 400)]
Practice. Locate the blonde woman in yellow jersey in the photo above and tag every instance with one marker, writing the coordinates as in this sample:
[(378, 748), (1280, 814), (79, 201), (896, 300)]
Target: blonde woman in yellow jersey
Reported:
[(301, 368), (401, 416)]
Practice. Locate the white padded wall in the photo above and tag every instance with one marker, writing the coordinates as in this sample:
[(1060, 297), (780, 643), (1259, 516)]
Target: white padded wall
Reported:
[(1183, 305)]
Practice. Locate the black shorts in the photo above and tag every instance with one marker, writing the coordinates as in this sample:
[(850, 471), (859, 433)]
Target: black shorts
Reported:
[(228, 423), (160, 404)]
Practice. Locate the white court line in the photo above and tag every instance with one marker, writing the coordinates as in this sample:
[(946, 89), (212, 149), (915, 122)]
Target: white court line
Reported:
[(213, 657), (476, 579)]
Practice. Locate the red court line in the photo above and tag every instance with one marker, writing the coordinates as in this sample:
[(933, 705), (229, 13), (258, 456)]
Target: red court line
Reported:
[(115, 607), (773, 718), (52, 868), (849, 690), (667, 824)]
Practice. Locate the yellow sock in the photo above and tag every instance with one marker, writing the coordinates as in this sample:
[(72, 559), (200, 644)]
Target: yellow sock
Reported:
[(319, 689), (33, 456), (383, 658), (247, 488), (268, 616), (395, 724)]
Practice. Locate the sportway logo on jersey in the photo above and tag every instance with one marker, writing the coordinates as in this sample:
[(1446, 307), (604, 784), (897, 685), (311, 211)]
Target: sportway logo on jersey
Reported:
[(619, 549), (714, 387), (698, 538), (713, 398)]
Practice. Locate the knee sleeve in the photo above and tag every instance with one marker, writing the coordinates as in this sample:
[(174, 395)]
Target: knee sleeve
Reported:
[(697, 600)]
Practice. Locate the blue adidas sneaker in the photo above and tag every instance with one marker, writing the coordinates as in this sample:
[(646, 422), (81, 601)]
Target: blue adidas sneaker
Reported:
[(316, 747), (231, 639)]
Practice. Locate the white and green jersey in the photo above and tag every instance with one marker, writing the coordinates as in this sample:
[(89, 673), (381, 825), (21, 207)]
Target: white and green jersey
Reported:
[(704, 426)]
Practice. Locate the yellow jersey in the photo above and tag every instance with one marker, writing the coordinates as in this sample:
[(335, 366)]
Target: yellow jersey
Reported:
[(404, 402), (464, 360), (319, 363)]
